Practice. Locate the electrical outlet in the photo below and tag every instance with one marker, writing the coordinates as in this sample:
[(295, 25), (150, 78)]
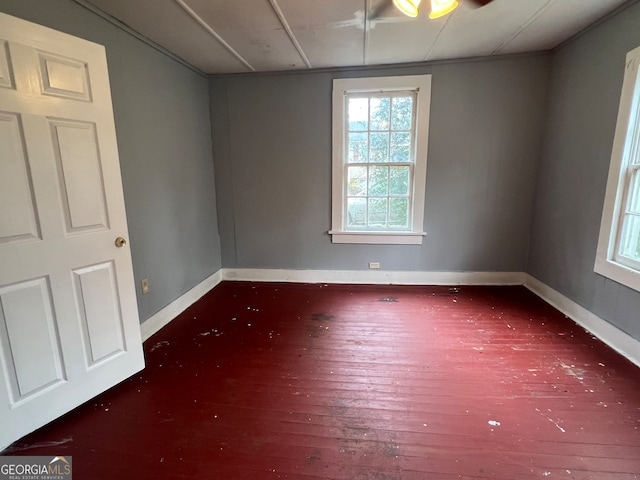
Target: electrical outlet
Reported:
[(374, 265), (145, 286)]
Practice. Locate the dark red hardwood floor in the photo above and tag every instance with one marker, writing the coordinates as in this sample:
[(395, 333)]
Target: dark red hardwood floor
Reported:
[(286, 381)]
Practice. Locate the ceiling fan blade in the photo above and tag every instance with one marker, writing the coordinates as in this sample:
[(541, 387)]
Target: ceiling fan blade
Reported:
[(481, 3)]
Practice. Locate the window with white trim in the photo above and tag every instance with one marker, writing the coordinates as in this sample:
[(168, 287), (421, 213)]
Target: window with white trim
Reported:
[(618, 253), (380, 133)]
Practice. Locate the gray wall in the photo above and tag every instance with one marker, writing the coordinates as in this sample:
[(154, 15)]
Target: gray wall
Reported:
[(272, 153), (494, 126), (164, 139), (583, 104)]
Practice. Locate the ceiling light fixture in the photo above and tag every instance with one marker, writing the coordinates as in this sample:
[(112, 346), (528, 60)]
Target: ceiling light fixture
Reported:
[(408, 7), (440, 8)]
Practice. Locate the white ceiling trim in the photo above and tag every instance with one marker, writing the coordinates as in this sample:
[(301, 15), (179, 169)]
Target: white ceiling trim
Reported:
[(523, 27), (435, 40), (214, 34), (366, 31), (287, 28), (126, 28), (348, 33)]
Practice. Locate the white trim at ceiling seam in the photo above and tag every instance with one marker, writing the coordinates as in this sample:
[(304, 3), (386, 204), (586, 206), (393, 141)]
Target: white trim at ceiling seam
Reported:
[(595, 24), (369, 70), (523, 27), (214, 34), (435, 40), (283, 21), (125, 28), (367, 29)]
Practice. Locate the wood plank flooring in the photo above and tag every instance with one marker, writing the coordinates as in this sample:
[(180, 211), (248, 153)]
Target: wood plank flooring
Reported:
[(289, 381)]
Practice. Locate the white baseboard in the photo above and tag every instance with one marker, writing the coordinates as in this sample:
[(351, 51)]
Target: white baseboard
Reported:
[(379, 277), (624, 344), (175, 308), (167, 314), (621, 342)]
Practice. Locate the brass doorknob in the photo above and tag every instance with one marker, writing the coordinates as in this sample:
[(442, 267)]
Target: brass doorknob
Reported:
[(120, 242)]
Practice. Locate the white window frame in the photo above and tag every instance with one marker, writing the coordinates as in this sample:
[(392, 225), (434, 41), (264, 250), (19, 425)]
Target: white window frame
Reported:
[(421, 84), (626, 146)]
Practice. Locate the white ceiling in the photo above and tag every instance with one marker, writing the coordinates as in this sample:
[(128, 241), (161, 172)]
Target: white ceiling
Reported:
[(230, 36)]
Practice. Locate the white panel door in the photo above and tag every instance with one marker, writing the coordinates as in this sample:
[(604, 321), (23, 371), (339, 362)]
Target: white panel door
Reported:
[(68, 317)]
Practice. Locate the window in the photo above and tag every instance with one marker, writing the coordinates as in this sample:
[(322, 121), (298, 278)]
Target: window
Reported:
[(618, 254), (380, 132)]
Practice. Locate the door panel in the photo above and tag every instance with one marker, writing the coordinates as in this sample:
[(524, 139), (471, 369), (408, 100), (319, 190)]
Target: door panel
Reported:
[(80, 175), (69, 326), (17, 212), (99, 306), (64, 77), (6, 79), (26, 308)]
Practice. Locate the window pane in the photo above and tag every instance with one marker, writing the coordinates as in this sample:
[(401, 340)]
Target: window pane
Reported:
[(357, 181), (379, 147), (358, 147), (378, 180), (399, 181), (635, 145), (634, 193), (356, 212), (380, 109), (630, 245), (399, 212), (400, 147), (630, 241), (402, 111), (358, 114), (377, 212)]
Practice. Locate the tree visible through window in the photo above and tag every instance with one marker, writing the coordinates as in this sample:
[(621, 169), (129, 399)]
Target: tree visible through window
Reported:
[(380, 160)]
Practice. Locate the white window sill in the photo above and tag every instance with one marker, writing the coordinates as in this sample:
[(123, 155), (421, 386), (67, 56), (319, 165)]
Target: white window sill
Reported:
[(618, 272), (377, 238)]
